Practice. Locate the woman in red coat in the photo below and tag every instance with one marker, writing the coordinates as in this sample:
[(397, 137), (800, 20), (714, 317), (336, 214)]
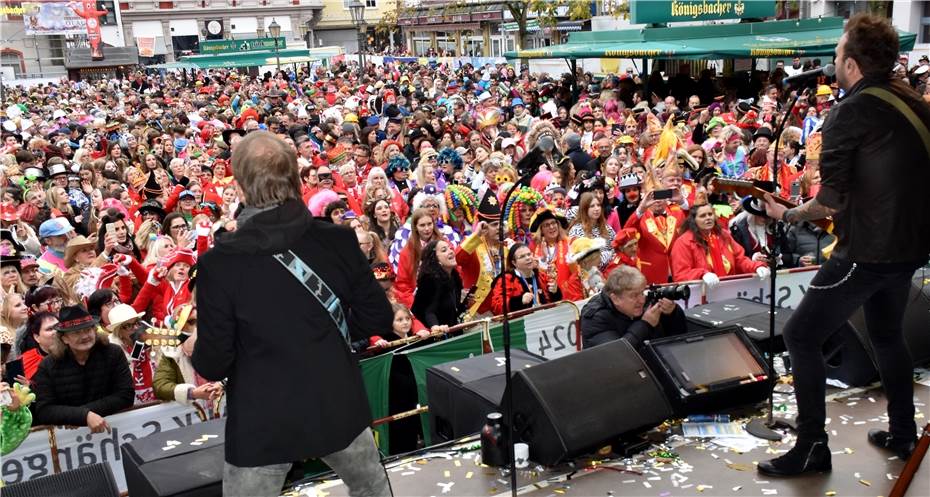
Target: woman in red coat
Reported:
[(527, 287), (705, 251)]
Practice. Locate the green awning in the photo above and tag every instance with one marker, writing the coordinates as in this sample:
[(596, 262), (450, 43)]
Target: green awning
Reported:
[(250, 59), (771, 39)]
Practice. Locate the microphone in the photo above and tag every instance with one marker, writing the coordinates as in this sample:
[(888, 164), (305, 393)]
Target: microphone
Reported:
[(828, 70)]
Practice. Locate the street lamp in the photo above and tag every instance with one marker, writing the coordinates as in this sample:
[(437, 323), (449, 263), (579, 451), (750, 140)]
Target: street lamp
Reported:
[(275, 29), (357, 9)]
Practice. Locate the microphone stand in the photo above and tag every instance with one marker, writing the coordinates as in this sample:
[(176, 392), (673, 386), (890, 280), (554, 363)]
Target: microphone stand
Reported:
[(505, 324), (757, 427)]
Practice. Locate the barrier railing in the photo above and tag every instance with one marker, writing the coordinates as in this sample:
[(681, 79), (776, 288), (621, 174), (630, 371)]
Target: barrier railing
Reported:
[(55, 449), (551, 331)]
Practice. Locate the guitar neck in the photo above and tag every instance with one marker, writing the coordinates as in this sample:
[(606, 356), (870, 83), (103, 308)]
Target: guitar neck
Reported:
[(744, 188)]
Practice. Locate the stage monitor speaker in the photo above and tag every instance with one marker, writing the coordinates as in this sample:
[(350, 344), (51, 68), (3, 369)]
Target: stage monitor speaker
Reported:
[(93, 480), (568, 406), (849, 354), (709, 371), (462, 393), (188, 470), (749, 315)]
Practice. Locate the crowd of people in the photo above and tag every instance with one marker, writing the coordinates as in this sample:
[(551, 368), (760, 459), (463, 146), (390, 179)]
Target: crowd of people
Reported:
[(113, 189)]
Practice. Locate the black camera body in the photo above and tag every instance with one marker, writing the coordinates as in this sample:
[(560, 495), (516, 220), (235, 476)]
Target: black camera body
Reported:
[(672, 292)]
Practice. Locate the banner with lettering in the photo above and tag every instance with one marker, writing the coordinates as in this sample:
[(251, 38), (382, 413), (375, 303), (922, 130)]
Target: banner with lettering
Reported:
[(146, 46), (79, 447), (792, 285)]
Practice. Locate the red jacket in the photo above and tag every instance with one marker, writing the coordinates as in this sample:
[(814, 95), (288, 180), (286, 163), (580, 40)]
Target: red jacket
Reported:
[(690, 261), (516, 287), (406, 281), (656, 237)]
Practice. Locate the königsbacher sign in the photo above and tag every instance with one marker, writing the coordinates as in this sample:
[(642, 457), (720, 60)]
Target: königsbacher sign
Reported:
[(659, 11)]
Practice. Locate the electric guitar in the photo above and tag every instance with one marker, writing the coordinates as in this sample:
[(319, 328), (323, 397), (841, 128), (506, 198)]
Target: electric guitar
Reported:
[(743, 188)]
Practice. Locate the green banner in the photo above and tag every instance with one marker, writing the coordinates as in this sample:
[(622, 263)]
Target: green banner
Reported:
[(423, 358), (517, 335), (213, 47), (660, 11), (376, 373)]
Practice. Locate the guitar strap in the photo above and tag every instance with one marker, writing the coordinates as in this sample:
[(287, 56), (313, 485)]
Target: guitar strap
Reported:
[(317, 287), (908, 113)]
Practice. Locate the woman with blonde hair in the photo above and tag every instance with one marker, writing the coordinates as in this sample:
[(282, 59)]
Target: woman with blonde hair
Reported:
[(13, 315), (145, 235), (158, 248)]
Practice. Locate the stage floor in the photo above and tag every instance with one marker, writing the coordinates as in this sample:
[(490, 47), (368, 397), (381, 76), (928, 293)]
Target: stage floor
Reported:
[(702, 467)]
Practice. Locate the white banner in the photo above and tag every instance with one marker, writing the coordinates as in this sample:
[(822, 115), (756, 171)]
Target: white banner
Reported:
[(79, 447), (792, 285), (52, 18), (552, 332)]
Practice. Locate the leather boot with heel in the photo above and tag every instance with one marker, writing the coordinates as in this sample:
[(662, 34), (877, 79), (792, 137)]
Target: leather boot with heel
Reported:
[(802, 458), (884, 440)]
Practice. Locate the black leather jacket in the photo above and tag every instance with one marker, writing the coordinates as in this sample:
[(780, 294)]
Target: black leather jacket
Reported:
[(875, 170)]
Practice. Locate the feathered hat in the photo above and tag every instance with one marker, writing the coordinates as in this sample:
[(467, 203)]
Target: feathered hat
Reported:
[(490, 117), (538, 130)]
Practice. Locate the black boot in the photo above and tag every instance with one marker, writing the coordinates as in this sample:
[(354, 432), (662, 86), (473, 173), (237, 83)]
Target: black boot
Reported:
[(803, 457), (883, 440)]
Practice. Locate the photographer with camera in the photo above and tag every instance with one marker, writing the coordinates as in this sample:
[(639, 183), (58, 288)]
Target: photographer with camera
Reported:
[(625, 309)]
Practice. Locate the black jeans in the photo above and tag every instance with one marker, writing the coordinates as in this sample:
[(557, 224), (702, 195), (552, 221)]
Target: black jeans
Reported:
[(837, 290)]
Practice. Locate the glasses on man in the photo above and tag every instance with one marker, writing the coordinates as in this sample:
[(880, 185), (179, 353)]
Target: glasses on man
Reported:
[(324, 176), (55, 302)]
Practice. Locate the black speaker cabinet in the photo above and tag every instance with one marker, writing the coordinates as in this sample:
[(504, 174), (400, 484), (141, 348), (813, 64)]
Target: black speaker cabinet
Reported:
[(751, 316), (462, 393), (709, 371), (194, 468), (93, 480), (568, 406)]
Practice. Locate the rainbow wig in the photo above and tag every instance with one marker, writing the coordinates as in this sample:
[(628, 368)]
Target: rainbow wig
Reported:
[(460, 197)]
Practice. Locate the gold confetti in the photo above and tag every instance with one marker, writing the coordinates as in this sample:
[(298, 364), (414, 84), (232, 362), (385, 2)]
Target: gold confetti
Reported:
[(700, 488), (866, 483), (848, 450), (469, 475), (458, 464), (739, 467), (830, 493), (447, 474), (422, 461), (559, 491)]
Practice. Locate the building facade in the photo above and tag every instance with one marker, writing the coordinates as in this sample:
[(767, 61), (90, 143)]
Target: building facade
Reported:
[(435, 27), (167, 30), (24, 56)]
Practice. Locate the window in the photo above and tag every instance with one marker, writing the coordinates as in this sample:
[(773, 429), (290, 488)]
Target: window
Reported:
[(923, 34), (369, 4), (110, 18), (14, 59), (13, 7), (56, 48)]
